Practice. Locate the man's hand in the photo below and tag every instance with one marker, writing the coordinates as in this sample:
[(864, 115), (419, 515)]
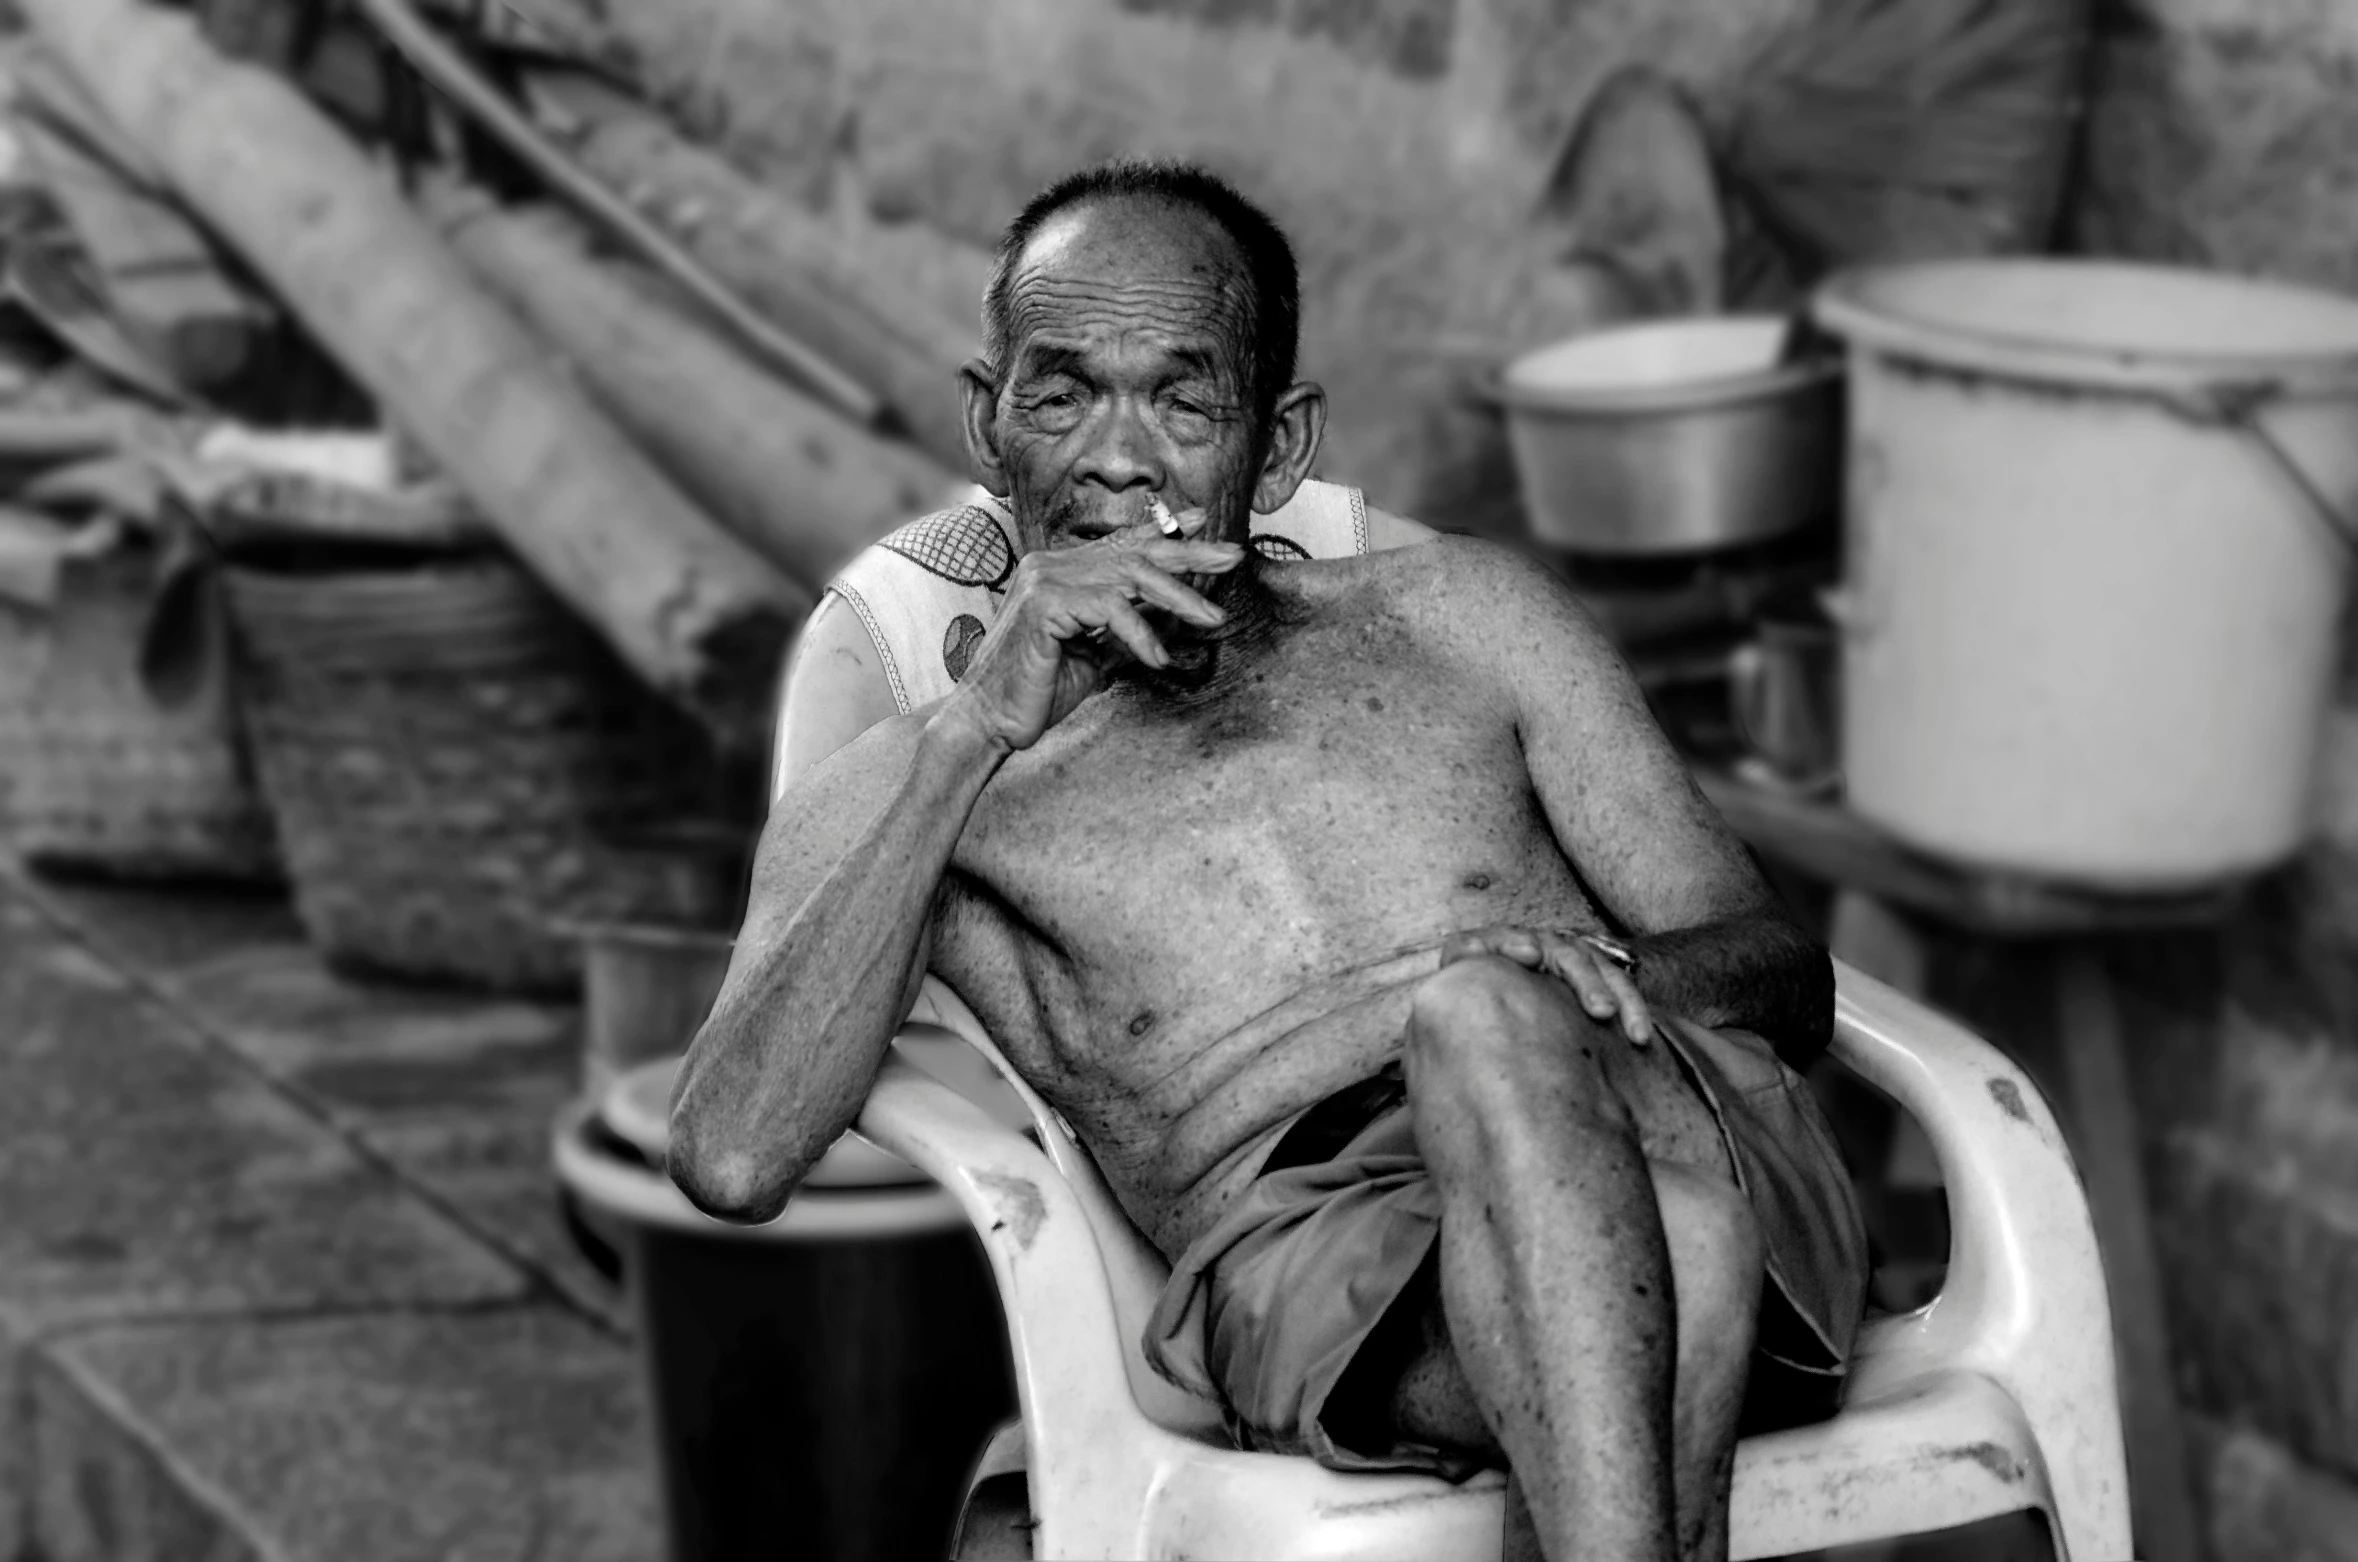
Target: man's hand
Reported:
[(1073, 613), (1605, 990)]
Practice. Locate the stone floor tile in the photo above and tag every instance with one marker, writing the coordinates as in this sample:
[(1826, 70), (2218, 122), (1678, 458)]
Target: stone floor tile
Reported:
[(493, 1435)]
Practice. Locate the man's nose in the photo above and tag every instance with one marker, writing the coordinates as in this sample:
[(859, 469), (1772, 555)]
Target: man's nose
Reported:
[(1120, 454)]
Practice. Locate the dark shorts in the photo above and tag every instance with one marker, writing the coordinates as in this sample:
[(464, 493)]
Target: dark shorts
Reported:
[(1267, 1310)]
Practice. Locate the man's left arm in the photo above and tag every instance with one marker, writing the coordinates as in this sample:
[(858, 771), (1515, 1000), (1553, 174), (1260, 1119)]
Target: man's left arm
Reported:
[(1713, 941)]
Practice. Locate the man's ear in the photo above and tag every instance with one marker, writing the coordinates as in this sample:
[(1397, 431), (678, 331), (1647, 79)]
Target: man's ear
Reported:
[(978, 399), (1296, 427)]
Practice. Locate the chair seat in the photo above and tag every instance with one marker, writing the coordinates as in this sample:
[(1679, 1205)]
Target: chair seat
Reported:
[(1945, 1448)]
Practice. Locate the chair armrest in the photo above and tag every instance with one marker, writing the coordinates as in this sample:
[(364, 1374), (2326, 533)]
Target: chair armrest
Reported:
[(1060, 1315), (2022, 1248), (2024, 1302)]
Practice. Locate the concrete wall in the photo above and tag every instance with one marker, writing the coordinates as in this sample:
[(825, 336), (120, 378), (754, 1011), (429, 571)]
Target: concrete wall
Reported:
[(1401, 142), (2225, 133)]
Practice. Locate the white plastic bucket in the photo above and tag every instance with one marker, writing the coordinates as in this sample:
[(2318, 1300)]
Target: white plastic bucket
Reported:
[(2097, 535)]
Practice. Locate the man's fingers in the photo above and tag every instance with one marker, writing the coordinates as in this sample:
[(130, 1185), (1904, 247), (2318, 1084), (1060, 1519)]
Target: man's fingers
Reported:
[(1176, 596), (1508, 943), (1180, 557), (1582, 972), (1637, 1022), (1522, 946), (1606, 991), (1123, 622)]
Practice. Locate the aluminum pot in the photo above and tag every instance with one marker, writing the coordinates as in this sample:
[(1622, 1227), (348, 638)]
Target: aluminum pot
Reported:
[(1673, 436)]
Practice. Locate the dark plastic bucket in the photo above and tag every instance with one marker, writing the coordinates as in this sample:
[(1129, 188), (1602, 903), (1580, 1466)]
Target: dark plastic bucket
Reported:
[(646, 987), (818, 1387)]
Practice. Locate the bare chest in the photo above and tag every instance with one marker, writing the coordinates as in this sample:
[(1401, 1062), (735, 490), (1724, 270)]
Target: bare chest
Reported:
[(1163, 873)]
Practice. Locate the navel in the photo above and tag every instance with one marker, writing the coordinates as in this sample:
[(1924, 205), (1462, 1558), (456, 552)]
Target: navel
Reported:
[(1476, 881), (1143, 1023)]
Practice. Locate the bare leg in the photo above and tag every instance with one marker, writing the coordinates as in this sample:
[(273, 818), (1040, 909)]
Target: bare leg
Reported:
[(1595, 1309)]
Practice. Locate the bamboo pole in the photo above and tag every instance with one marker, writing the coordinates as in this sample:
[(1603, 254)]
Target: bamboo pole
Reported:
[(695, 612), (786, 261), (448, 70), (803, 486)]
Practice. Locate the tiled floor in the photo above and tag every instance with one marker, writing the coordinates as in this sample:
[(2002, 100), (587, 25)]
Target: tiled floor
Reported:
[(282, 1274)]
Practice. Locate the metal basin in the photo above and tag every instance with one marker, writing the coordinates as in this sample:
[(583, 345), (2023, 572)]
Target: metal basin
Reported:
[(1674, 436)]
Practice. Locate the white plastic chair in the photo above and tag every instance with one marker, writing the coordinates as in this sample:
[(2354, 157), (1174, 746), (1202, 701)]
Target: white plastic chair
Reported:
[(1996, 1396)]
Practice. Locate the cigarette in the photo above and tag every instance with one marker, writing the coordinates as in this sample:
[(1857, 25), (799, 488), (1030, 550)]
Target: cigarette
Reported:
[(1163, 518)]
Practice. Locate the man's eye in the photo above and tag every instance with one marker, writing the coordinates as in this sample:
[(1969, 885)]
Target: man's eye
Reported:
[(1058, 409), (1190, 419)]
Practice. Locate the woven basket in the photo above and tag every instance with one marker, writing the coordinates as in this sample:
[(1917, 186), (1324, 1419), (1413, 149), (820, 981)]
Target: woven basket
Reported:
[(447, 751), (106, 777)]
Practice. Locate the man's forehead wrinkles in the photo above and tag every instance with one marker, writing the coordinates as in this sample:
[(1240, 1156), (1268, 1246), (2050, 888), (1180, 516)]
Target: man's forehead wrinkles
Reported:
[(1080, 327), (1035, 291), (1072, 315), (1128, 311)]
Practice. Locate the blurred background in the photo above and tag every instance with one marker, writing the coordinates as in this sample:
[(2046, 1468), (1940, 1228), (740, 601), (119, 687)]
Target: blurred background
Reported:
[(424, 426)]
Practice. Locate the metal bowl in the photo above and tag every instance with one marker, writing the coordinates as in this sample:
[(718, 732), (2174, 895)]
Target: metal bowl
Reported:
[(1674, 436)]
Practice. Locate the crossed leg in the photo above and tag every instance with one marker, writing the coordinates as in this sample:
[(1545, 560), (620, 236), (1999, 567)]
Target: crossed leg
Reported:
[(1598, 1272)]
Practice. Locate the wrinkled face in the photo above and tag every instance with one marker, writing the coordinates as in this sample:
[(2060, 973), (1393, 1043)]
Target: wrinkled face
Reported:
[(1127, 375)]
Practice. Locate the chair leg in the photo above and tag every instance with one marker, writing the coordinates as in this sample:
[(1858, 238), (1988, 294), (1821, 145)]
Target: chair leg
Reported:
[(995, 1525)]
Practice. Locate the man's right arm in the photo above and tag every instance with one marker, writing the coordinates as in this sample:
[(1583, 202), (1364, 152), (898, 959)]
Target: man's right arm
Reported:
[(833, 946), (835, 936)]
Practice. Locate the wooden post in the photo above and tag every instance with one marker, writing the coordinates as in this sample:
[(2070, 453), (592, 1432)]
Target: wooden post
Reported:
[(695, 612), (2104, 1119)]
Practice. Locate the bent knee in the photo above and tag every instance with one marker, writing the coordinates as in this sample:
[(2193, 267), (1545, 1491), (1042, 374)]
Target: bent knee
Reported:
[(1472, 1010), (1491, 1045)]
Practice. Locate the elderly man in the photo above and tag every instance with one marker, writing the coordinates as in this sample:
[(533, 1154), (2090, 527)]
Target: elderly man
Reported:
[(1352, 910)]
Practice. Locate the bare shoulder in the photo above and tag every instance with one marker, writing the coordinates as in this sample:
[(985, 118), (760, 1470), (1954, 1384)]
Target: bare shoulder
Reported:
[(1485, 599)]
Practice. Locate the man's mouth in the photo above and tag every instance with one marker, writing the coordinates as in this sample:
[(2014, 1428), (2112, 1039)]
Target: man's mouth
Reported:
[(1069, 520)]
